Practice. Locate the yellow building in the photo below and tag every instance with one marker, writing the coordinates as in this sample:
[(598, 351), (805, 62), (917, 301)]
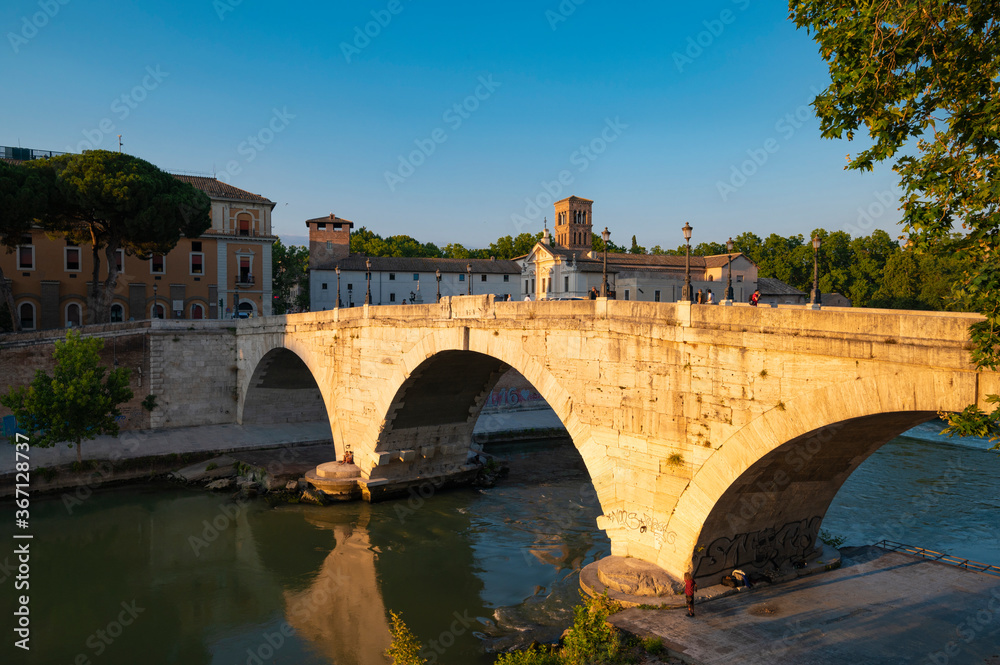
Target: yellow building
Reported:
[(227, 269)]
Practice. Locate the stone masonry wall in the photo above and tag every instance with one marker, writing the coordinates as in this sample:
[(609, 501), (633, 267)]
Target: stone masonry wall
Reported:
[(193, 374)]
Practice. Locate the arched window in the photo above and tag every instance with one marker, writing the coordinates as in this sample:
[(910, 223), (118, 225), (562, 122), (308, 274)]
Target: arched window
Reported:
[(197, 311), (117, 313), (243, 224), (157, 311), (74, 314), (27, 314)]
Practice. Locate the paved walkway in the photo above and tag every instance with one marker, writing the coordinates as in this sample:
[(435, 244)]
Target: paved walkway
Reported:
[(229, 438), (879, 608)]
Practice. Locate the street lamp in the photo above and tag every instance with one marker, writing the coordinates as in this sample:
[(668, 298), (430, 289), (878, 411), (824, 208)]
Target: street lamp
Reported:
[(729, 289), (815, 298), (688, 291), (606, 236), (437, 273), (337, 270), (368, 281), (154, 301), (468, 269)]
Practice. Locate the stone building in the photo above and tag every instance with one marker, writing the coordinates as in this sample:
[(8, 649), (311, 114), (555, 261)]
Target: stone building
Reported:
[(566, 267), (394, 279), (775, 292), (227, 269)]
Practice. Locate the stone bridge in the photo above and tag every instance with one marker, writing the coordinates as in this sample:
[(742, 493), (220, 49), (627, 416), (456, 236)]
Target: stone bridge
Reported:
[(715, 436)]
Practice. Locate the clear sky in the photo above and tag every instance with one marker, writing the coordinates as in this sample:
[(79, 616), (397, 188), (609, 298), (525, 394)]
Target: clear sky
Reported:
[(452, 121)]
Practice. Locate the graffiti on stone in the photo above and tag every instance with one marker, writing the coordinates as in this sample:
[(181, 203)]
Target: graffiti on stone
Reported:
[(644, 524), (759, 549)]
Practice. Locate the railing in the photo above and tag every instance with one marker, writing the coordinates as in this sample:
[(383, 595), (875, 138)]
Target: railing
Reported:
[(967, 564)]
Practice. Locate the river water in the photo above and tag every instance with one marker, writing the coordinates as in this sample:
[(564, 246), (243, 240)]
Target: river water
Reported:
[(167, 574)]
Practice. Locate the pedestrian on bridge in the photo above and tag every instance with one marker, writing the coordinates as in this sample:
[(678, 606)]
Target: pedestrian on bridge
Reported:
[(690, 586)]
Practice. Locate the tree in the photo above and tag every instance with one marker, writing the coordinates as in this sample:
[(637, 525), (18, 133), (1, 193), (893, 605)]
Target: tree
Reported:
[(114, 201), (77, 402), (922, 79), (636, 248), (24, 197), (289, 268)]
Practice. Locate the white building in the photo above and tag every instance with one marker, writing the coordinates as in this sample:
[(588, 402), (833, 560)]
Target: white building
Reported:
[(394, 280)]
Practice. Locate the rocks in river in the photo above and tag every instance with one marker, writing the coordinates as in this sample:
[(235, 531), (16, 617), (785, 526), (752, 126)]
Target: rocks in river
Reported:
[(221, 484), (313, 496)]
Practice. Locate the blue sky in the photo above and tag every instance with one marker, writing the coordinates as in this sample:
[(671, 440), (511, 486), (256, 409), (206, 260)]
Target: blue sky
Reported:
[(452, 122)]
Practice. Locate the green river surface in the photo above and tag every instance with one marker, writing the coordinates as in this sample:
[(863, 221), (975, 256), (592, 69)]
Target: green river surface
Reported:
[(160, 573)]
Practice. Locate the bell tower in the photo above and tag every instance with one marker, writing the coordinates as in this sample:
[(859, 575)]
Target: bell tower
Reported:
[(574, 222)]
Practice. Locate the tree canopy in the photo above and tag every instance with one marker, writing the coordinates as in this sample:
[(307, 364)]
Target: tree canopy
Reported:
[(921, 79), (25, 195), (289, 268), (77, 402), (113, 201)]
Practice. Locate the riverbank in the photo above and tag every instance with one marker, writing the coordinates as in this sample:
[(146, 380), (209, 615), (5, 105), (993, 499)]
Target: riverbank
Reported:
[(880, 607), (140, 454)]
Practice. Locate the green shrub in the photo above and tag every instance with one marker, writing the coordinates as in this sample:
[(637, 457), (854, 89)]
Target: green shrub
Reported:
[(529, 657), (405, 647), (592, 640)]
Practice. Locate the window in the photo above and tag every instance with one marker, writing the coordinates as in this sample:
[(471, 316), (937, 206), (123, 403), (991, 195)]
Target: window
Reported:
[(329, 245), (566, 284), (461, 277), (324, 286), (483, 279), (27, 313), (197, 263), (197, 311), (416, 277), (392, 277), (117, 313), (157, 311), (26, 254), (157, 264), (526, 287), (321, 226), (739, 278), (243, 224), (506, 278), (74, 314), (656, 296), (245, 276), (392, 297), (72, 255), (350, 287), (120, 259), (711, 278), (626, 294)]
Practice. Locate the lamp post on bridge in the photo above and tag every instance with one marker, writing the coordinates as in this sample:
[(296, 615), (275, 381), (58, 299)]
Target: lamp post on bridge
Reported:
[(688, 291), (368, 281), (437, 273), (729, 289), (337, 270), (814, 299), (606, 236), (468, 269)]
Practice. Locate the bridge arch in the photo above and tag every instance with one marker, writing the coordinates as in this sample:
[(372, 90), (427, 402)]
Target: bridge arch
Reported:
[(437, 393), (759, 500), (282, 387)]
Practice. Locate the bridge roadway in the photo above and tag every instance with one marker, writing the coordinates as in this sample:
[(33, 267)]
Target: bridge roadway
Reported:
[(716, 437)]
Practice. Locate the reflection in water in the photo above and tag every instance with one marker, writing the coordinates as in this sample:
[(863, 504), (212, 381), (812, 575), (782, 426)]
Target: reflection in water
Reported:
[(341, 612), (227, 585)]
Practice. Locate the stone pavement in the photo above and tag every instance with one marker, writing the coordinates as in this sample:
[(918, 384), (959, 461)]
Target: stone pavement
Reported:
[(879, 608), (228, 438)]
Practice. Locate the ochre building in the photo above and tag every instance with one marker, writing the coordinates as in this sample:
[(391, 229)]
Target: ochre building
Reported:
[(227, 269)]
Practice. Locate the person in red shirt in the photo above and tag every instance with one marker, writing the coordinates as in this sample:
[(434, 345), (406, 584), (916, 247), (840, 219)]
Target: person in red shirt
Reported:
[(690, 586)]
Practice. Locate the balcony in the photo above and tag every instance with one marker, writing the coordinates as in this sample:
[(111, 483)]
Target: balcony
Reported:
[(244, 281)]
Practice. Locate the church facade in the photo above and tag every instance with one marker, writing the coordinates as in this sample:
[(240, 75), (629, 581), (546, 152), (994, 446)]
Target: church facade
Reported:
[(563, 265)]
